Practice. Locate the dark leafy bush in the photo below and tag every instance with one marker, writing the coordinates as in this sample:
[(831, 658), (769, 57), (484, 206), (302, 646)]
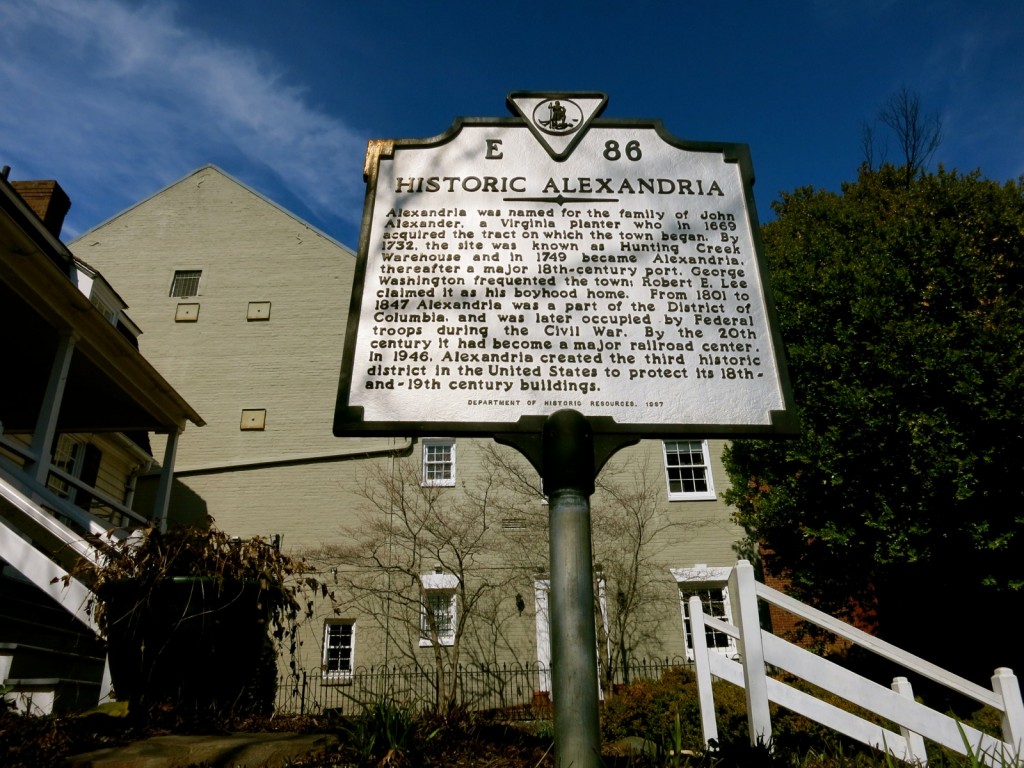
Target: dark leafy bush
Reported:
[(649, 709), (384, 733), (190, 617)]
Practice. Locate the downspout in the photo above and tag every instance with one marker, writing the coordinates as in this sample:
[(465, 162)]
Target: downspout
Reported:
[(317, 458), (391, 547), (144, 465), (132, 481), (168, 474)]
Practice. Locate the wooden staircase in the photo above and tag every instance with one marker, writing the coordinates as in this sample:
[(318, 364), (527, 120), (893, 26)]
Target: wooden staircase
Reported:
[(49, 661)]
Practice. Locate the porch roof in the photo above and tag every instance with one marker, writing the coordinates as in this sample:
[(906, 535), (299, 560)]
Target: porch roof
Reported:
[(110, 386)]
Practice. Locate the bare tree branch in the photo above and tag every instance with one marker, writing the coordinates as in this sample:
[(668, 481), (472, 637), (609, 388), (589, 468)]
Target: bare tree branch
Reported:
[(491, 534), (917, 135)]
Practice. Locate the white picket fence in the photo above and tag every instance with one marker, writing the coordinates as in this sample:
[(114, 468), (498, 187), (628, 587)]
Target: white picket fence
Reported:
[(761, 650)]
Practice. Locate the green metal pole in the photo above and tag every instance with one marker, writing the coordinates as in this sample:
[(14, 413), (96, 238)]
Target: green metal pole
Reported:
[(569, 483)]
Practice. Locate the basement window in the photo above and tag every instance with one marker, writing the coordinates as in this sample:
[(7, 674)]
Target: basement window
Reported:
[(710, 584), (438, 608)]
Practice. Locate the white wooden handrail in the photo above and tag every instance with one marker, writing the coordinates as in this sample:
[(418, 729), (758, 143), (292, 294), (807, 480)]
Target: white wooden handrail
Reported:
[(879, 647), (41, 497), (33, 512), (103, 498), (45, 574), (760, 650), (16, 447)]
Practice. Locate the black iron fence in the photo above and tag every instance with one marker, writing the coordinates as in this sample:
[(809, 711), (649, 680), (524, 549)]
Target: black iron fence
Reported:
[(520, 691)]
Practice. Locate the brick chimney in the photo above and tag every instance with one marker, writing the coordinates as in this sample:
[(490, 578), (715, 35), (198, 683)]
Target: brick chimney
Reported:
[(47, 200)]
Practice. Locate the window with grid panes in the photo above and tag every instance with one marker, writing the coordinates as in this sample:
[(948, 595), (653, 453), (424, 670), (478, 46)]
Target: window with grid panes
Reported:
[(688, 469), (438, 607), (339, 649), (714, 602), (438, 461), (67, 453), (186, 283), (80, 460)]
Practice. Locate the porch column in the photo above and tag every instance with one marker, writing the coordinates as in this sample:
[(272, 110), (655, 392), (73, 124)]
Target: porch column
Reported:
[(163, 492), (46, 422)]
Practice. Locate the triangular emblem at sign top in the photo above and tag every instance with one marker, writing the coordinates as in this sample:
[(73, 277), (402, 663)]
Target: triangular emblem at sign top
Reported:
[(558, 120)]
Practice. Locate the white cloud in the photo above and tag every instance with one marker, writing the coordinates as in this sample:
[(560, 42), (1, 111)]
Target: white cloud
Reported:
[(117, 99)]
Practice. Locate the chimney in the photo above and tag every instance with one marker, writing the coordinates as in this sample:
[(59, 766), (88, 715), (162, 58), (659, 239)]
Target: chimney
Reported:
[(47, 200)]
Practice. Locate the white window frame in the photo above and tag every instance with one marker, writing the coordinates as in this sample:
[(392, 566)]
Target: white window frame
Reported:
[(702, 578), (339, 675), (68, 456), (542, 627), (105, 307), (430, 463), (185, 275), (707, 494), (105, 300), (439, 586), (71, 453)]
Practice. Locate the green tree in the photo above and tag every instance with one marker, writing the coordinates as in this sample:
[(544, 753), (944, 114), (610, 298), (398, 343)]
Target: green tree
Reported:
[(902, 311)]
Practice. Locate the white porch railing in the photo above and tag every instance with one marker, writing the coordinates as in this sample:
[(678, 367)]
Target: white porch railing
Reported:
[(35, 565), (14, 472), (917, 722)]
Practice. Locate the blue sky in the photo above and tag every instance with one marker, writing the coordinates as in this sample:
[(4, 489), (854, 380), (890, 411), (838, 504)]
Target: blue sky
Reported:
[(118, 98)]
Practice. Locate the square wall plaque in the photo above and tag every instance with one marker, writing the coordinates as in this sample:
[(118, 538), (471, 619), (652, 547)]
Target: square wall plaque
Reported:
[(258, 310), (186, 313), (254, 418)]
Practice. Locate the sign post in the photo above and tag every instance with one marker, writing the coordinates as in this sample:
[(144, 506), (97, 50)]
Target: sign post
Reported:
[(566, 284), (568, 484)]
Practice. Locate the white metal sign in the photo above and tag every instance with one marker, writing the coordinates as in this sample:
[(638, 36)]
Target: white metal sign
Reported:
[(514, 267)]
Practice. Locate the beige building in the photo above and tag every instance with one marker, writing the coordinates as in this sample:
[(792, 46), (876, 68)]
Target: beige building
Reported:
[(434, 545)]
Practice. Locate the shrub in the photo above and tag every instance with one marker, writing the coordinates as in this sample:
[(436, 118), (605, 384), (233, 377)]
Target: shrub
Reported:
[(385, 733), (188, 616), (649, 708)]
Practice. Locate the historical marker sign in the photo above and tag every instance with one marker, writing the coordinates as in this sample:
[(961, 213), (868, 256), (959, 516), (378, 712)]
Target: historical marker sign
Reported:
[(514, 267)]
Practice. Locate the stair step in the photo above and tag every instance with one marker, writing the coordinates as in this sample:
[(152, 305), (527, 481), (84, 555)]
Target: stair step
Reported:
[(51, 695)]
